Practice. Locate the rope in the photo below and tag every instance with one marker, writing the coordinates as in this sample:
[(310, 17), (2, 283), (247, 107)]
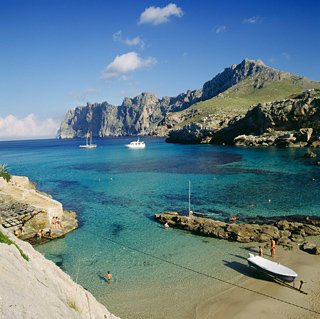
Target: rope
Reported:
[(212, 277)]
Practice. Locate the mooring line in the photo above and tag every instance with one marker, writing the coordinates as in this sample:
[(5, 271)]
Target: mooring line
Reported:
[(211, 277)]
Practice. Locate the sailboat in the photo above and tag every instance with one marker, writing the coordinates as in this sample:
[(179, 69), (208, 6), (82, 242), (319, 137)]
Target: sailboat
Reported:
[(190, 211), (88, 142)]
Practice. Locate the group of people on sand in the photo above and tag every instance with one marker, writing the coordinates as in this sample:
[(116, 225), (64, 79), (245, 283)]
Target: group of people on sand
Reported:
[(56, 222), (272, 249)]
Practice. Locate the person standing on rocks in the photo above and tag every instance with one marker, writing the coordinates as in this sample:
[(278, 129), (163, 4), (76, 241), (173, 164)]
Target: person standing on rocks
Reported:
[(272, 248)]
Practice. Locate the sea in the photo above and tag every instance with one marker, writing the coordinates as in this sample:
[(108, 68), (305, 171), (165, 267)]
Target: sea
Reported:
[(159, 273)]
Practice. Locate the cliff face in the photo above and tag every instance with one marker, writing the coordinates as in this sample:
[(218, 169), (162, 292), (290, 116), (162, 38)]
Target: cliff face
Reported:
[(290, 122), (227, 95), (142, 115), (37, 288), (235, 74)]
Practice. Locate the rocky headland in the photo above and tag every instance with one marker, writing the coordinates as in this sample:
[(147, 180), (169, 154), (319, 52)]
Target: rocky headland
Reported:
[(239, 101), (21, 204), (286, 231)]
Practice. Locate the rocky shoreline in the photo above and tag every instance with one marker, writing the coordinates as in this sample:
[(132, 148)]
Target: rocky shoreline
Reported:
[(27, 212), (286, 231)]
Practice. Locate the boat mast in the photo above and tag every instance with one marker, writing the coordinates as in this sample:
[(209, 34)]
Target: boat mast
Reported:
[(190, 212)]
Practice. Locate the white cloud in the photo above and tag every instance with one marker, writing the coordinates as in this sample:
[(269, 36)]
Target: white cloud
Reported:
[(252, 20), (220, 29), (28, 127), (125, 63), (136, 41), (157, 15)]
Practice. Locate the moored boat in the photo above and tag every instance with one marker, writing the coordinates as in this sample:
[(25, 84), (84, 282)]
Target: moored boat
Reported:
[(272, 268), (136, 144), (88, 142)]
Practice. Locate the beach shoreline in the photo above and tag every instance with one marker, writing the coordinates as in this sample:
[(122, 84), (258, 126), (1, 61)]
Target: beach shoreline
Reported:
[(246, 294), (262, 298)]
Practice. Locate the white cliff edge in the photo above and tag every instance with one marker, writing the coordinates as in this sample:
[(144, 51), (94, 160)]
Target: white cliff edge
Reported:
[(39, 289)]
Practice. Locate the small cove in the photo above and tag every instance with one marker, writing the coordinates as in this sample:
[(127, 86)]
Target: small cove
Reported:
[(116, 191)]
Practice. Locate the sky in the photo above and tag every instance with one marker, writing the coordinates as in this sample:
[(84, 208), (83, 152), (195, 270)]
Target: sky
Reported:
[(59, 54)]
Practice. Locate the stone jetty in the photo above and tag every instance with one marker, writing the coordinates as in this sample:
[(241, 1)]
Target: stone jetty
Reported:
[(21, 204), (286, 231)]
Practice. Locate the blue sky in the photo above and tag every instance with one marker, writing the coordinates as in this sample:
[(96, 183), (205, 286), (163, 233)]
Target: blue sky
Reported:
[(58, 54)]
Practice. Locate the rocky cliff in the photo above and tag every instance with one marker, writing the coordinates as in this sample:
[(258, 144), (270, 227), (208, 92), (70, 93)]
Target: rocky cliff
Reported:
[(37, 288), (229, 94), (143, 115), (290, 122)]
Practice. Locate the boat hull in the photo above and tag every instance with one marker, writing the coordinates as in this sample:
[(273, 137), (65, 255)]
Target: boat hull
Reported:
[(272, 274), (135, 146), (272, 268)]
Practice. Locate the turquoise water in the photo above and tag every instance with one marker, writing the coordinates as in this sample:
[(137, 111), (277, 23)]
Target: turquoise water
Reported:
[(116, 191)]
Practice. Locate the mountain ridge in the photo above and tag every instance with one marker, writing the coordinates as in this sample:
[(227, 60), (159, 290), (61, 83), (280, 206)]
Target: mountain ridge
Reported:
[(146, 114)]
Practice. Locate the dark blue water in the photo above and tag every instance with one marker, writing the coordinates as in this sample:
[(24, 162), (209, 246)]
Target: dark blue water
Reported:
[(116, 191)]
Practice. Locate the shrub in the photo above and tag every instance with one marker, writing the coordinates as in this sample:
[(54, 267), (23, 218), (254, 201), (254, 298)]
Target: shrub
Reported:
[(4, 172)]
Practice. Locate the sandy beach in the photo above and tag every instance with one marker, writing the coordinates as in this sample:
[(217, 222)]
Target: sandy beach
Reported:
[(248, 293), (264, 298)]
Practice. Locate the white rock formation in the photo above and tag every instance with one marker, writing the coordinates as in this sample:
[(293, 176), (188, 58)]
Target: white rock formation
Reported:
[(20, 189), (39, 289)]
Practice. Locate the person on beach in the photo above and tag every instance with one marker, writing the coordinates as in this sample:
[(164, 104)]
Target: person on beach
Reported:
[(272, 247), (109, 277), (260, 251)]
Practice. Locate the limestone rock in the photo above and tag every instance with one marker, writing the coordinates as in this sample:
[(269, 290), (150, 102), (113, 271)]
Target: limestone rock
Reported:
[(284, 122), (310, 248), (37, 288), (297, 239)]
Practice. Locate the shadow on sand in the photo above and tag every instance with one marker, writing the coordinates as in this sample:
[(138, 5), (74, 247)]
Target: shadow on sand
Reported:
[(251, 272)]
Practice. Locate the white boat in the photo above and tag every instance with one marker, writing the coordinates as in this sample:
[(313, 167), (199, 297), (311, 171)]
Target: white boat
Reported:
[(272, 268), (136, 144), (88, 142)]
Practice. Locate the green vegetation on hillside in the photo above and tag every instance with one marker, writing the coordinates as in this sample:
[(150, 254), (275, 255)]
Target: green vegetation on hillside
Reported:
[(238, 99), (5, 240)]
